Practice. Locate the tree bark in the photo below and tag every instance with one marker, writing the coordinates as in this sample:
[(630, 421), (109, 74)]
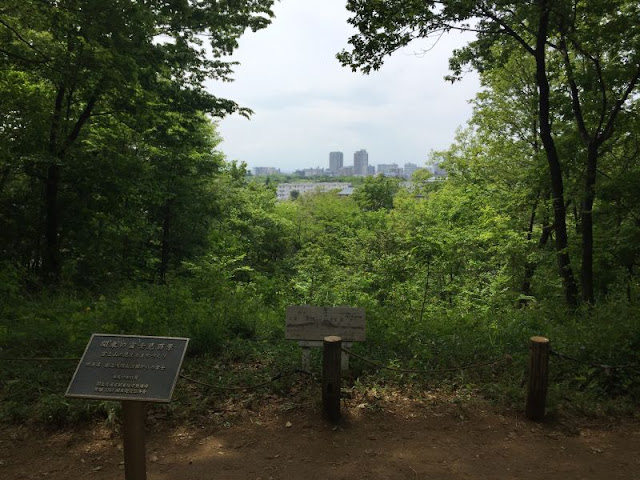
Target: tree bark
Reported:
[(51, 260), (52, 264), (588, 294), (555, 170), (530, 267), (166, 247)]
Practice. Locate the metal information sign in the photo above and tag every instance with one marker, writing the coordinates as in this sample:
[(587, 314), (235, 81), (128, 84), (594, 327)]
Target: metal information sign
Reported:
[(315, 323), (128, 367)]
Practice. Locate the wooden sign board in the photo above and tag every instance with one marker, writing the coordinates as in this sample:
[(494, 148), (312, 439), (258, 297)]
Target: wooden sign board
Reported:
[(315, 323), (128, 367)]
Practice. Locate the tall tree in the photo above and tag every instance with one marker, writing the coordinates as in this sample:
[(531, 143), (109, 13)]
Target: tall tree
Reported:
[(121, 58), (536, 29), (600, 47)]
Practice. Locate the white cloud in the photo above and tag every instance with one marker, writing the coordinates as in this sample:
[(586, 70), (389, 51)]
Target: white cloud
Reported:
[(307, 105)]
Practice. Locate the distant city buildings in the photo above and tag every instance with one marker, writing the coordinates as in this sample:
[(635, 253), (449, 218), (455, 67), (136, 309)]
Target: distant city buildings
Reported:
[(389, 170), (360, 168), (263, 171), (437, 171), (313, 172), (346, 171), (284, 191), (336, 160), (409, 168), (361, 163)]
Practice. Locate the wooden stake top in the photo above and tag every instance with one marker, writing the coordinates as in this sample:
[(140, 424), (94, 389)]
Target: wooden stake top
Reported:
[(332, 339), (538, 339)]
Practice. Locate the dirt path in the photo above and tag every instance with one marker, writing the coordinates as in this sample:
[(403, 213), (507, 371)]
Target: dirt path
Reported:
[(399, 439)]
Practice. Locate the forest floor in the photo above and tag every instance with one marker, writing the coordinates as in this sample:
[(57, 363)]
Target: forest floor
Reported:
[(381, 436)]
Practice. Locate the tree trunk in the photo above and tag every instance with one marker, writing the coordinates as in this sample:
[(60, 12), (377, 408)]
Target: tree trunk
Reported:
[(530, 267), (588, 295), (50, 272), (51, 264), (555, 171), (51, 258), (166, 247)]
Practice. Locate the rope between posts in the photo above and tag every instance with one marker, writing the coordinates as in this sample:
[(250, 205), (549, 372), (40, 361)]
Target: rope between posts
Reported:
[(187, 378), (248, 387), (506, 358), (40, 359), (602, 366)]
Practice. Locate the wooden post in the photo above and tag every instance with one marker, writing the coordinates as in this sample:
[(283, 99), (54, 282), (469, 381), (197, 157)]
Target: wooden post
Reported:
[(135, 467), (538, 378), (331, 356), (344, 361), (306, 358)]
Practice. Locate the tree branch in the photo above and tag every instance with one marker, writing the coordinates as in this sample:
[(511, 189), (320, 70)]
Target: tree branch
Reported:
[(575, 96), (23, 40), (82, 120), (507, 29), (608, 130)]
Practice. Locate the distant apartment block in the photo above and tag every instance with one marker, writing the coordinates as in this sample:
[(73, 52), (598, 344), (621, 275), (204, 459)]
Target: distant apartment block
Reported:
[(312, 172), (409, 168), (437, 171), (283, 191), (262, 171), (346, 171), (389, 170), (336, 161), (361, 163)]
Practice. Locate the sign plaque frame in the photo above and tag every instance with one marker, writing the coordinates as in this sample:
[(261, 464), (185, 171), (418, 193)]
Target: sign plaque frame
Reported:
[(133, 369), (128, 368), (315, 323), (309, 325)]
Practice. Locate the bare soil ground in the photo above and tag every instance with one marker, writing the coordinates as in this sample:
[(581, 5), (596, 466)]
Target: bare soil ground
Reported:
[(390, 437)]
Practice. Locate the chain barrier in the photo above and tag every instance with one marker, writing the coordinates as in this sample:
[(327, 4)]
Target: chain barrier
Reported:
[(506, 359), (602, 366)]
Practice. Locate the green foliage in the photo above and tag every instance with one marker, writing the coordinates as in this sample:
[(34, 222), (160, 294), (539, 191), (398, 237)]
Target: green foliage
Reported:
[(376, 193), (101, 98), (154, 233)]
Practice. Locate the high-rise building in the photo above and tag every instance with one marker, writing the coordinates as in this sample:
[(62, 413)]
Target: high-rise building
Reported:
[(336, 160), (361, 163), (409, 168)]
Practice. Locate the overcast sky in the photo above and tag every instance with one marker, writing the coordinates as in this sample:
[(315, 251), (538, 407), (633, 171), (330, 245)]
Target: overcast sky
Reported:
[(306, 105)]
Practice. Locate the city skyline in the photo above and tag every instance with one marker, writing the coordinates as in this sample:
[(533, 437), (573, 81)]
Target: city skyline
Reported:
[(306, 104), (360, 167), (335, 163)]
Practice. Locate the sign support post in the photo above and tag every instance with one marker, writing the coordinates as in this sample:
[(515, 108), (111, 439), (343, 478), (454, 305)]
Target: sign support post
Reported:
[(135, 464), (135, 370), (331, 377)]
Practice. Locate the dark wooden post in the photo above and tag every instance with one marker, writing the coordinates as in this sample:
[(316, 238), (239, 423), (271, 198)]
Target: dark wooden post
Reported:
[(135, 466), (331, 356), (538, 378)]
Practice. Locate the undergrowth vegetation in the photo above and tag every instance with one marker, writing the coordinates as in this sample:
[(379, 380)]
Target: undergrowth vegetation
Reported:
[(449, 347)]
